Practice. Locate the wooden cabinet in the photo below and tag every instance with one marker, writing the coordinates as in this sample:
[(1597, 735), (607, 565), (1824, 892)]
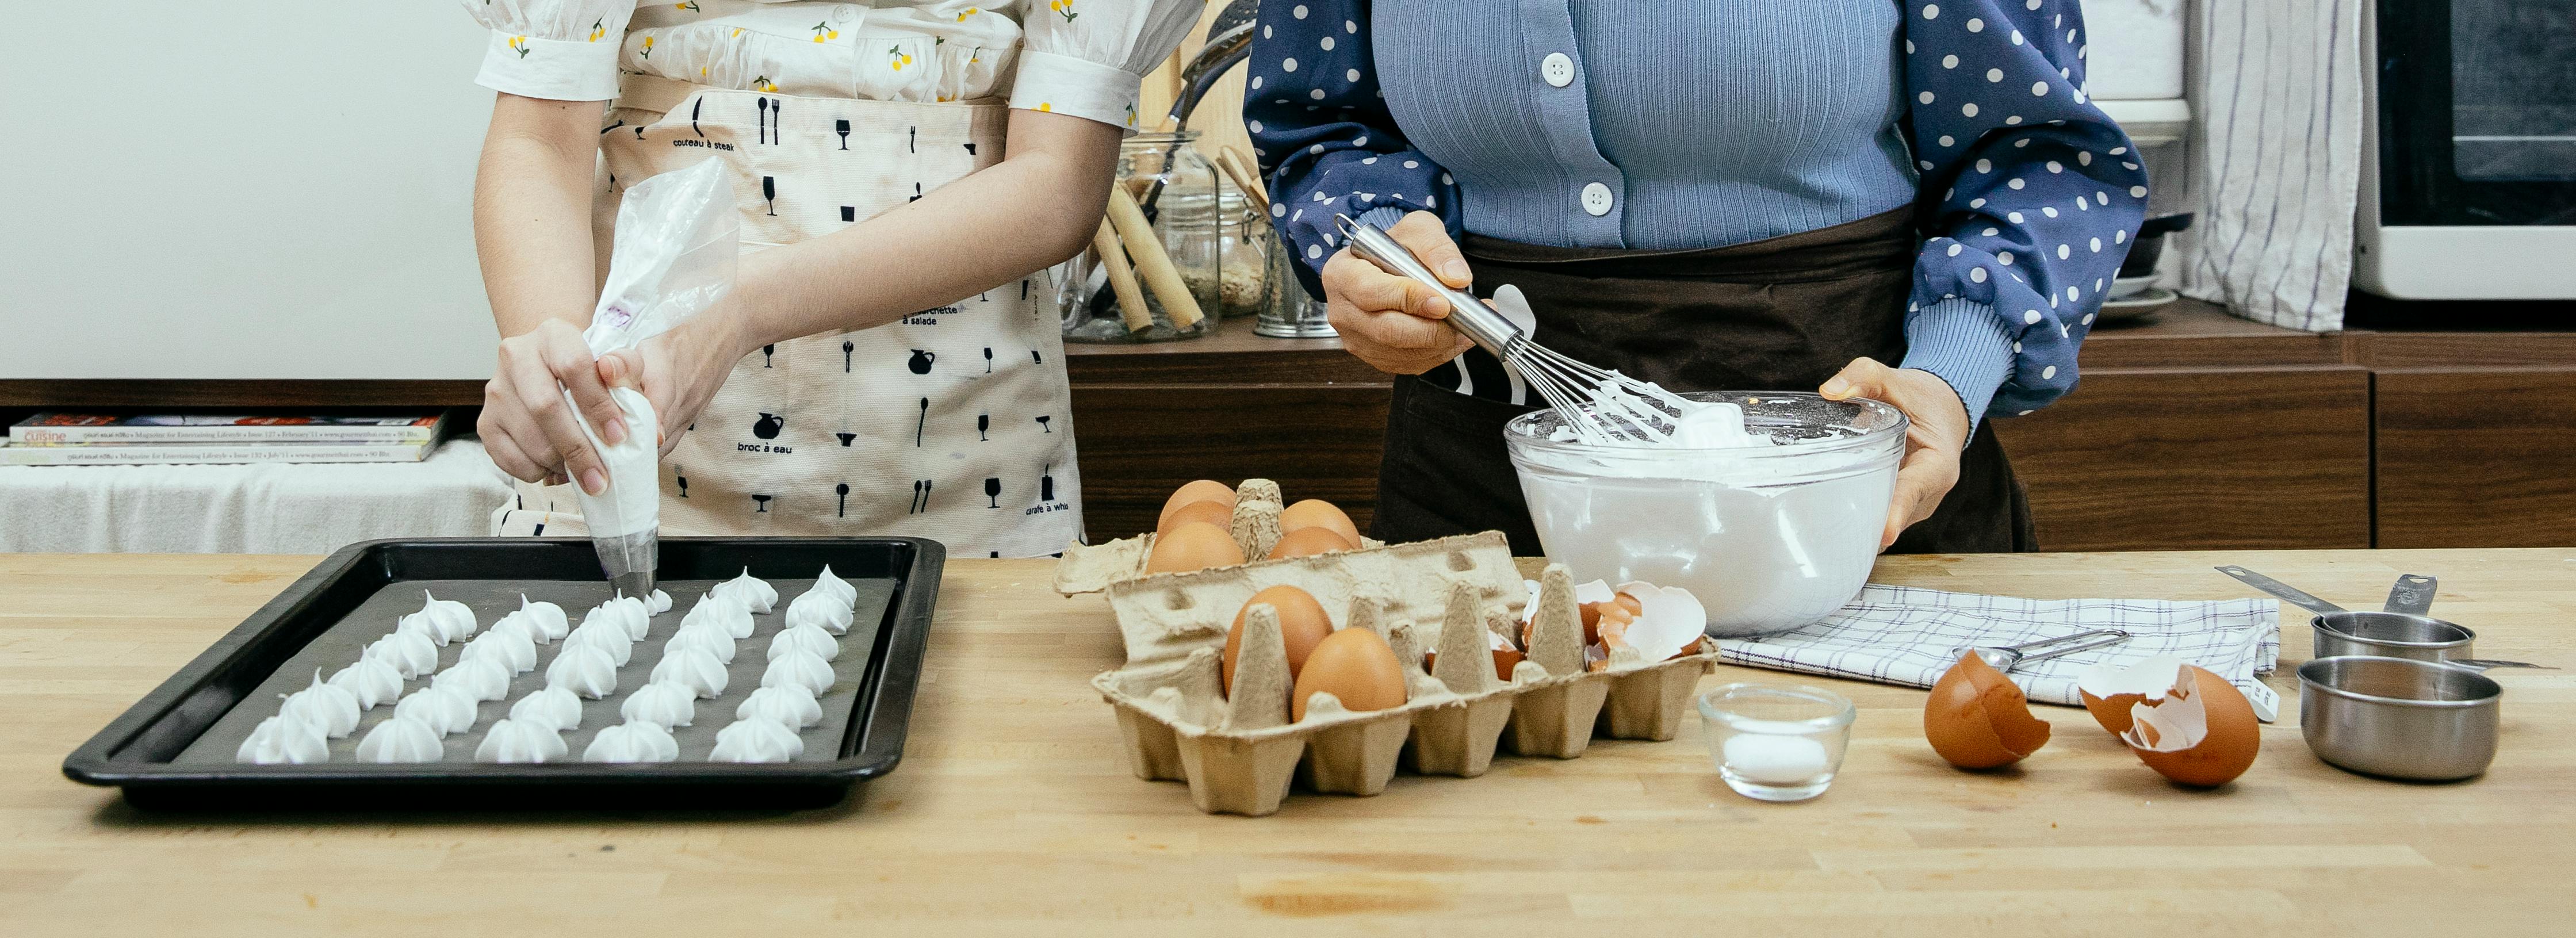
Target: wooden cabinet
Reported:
[(2226, 458), (2476, 458), (2195, 431)]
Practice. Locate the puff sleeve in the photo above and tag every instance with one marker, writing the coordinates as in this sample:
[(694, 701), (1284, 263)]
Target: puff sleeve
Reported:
[(558, 50), (1087, 58)]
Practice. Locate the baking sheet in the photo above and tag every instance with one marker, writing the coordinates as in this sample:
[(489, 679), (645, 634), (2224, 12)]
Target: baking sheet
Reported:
[(340, 645)]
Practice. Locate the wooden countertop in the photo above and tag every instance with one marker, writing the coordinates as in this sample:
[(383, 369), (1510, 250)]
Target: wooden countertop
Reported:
[(1014, 807)]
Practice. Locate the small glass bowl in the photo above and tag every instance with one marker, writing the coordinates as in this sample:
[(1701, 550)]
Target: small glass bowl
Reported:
[(1776, 743)]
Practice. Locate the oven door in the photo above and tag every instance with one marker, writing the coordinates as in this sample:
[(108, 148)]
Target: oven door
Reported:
[(2476, 112)]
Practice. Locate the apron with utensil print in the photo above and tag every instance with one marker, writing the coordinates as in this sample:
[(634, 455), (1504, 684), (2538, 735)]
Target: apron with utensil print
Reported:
[(952, 424)]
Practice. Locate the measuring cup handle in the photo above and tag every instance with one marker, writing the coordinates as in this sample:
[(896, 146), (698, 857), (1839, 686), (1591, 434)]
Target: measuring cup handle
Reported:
[(2280, 589), (2110, 637)]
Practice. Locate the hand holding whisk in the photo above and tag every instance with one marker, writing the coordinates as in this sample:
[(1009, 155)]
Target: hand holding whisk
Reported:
[(1600, 406)]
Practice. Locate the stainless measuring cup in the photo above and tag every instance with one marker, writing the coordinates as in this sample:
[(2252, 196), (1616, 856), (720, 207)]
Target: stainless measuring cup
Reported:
[(2344, 632), (2399, 717)]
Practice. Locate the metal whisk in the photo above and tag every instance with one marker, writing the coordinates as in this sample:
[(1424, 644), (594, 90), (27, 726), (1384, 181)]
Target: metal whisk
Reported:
[(1599, 405)]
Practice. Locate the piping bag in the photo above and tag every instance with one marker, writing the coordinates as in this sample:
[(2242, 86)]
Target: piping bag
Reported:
[(678, 235)]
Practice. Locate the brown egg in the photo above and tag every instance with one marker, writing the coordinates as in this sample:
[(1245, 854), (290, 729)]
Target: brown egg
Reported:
[(1628, 605), (1220, 514), (2231, 735), (1193, 546), (1354, 665), (1317, 513), (1302, 623), (1307, 543), (1199, 491), (1977, 719)]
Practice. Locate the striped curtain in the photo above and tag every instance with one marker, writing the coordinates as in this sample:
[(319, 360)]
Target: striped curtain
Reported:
[(2275, 159)]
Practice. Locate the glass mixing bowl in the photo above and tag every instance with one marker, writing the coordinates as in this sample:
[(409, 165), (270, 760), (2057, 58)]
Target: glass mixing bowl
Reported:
[(1770, 538)]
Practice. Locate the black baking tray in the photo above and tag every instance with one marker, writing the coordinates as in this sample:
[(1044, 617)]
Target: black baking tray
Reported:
[(135, 751)]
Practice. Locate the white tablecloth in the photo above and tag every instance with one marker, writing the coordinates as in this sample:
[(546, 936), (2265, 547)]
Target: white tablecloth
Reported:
[(252, 508)]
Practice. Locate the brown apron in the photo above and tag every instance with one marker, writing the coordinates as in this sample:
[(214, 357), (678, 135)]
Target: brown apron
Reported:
[(1773, 315)]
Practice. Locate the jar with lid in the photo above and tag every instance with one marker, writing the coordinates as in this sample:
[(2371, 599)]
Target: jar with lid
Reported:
[(1176, 188)]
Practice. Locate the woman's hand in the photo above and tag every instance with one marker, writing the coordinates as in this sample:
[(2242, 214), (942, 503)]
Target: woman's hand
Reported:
[(528, 428), (1936, 431), (1391, 322), (680, 370)]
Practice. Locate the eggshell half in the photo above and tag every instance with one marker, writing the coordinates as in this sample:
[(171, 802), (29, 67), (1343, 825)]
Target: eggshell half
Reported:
[(2109, 690), (1202, 490), (1355, 666), (1302, 625), (1977, 719), (1317, 513), (2203, 733), (1193, 546)]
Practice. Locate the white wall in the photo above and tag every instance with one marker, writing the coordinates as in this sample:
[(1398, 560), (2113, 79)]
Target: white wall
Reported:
[(224, 190)]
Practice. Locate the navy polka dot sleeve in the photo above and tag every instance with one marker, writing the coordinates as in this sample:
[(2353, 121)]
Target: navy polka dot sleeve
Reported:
[(2027, 193), (1322, 133), (2030, 193)]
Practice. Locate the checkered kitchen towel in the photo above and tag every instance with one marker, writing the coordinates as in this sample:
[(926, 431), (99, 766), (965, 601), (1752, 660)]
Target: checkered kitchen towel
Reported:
[(1904, 635)]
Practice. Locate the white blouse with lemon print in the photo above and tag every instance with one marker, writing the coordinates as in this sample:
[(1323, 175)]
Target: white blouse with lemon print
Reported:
[(1080, 57)]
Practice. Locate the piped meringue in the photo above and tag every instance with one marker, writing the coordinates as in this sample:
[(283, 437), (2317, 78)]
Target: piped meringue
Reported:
[(371, 681), (584, 670), (516, 741), (757, 739), (799, 667), (452, 620), (837, 588), (284, 739), (480, 678), (625, 615), (508, 645), (444, 709), (409, 653), (608, 636), (662, 703), (401, 739), (546, 620), (721, 610), (753, 592), (806, 638), (548, 706), (694, 668), (789, 704), (658, 603), (632, 742), (706, 635), (822, 611), (328, 706)]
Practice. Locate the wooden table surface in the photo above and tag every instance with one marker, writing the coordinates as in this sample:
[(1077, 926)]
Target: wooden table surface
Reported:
[(1014, 810)]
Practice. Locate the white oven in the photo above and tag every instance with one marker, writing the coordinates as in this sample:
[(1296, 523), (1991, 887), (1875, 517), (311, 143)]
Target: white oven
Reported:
[(2468, 172)]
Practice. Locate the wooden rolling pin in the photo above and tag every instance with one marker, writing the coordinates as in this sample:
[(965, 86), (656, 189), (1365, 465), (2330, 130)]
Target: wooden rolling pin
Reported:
[(1122, 279), (1152, 264)]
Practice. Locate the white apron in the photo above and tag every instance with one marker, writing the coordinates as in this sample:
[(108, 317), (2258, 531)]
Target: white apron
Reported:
[(952, 423)]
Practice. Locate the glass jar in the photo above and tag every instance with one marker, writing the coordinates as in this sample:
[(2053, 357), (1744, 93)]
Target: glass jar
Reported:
[(1177, 189), (1261, 274)]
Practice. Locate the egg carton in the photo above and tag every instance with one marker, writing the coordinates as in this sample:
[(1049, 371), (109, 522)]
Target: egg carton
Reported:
[(1094, 567), (1240, 753)]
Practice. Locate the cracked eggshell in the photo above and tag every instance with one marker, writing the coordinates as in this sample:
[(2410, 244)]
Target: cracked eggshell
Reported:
[(2202, 733), (2109, 690), (1665, 621), (1977, 719)]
